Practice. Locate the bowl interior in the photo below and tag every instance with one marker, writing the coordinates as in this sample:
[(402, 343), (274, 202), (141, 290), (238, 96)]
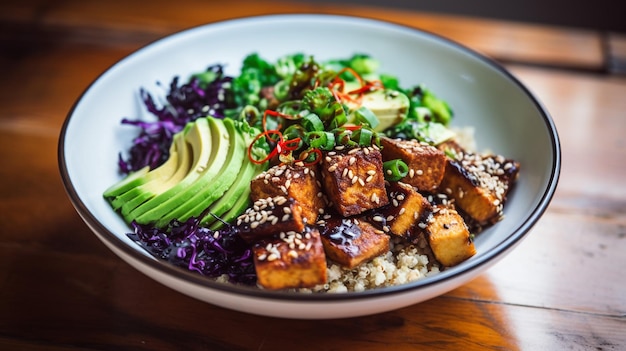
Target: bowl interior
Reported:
[(506, 117)]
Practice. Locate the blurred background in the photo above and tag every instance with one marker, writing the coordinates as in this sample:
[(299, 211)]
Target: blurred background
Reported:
[(607, 15)]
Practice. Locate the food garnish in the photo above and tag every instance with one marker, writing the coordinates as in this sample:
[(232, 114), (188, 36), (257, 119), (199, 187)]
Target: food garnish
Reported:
[(307, 175)]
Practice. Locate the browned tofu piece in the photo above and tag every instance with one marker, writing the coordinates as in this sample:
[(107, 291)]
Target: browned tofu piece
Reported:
[(290, 260), (295, 181), (449, 237), (353, 180), (426, 163), (268, 217), (479, 184), (405, 209), (350, 241)]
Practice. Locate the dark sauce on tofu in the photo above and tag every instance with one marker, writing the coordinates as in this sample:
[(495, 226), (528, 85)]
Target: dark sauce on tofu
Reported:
[(465, 172), (341, 231)]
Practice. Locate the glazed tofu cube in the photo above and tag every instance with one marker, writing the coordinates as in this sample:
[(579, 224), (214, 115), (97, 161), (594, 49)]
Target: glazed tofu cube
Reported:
[(479, 184), (405, 209), (295, 181), (353, 180), (350, 241), (449, 237), (290, 260), (268, 217), (426, 163)]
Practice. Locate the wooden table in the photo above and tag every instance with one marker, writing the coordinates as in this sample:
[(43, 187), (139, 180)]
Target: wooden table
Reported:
[(563, 288)]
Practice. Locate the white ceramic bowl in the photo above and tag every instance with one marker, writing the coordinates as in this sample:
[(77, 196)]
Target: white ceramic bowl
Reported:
[(506, 115)]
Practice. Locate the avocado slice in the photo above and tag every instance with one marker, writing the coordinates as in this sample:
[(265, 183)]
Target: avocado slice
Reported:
[(211, 187), (228, 200), (131, 181), (242, 203), (237, 190), (135, 197), (117, 194), (172, 170), (197, 138), (390, 106), (209, 140)]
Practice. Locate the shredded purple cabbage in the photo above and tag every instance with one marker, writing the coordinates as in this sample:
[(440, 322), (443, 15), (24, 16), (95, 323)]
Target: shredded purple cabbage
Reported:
[(200, 249), (184, 103)]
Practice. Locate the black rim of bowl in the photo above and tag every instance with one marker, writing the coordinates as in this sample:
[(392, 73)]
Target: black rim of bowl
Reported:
[(190, 277)]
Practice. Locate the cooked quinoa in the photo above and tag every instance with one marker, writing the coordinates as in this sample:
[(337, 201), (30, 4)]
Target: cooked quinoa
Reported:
[(401, 264)]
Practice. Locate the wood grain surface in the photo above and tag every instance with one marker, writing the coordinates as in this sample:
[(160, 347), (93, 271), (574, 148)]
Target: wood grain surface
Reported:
[(563, 288)]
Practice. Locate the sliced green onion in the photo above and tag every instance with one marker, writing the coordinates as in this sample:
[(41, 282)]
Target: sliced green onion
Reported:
[(340, 118), (366, 116), (312, 122), (363, 136), (294, 131), (395, 170), (290, 108), (344, 138), (321, 140), (281, 89)]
